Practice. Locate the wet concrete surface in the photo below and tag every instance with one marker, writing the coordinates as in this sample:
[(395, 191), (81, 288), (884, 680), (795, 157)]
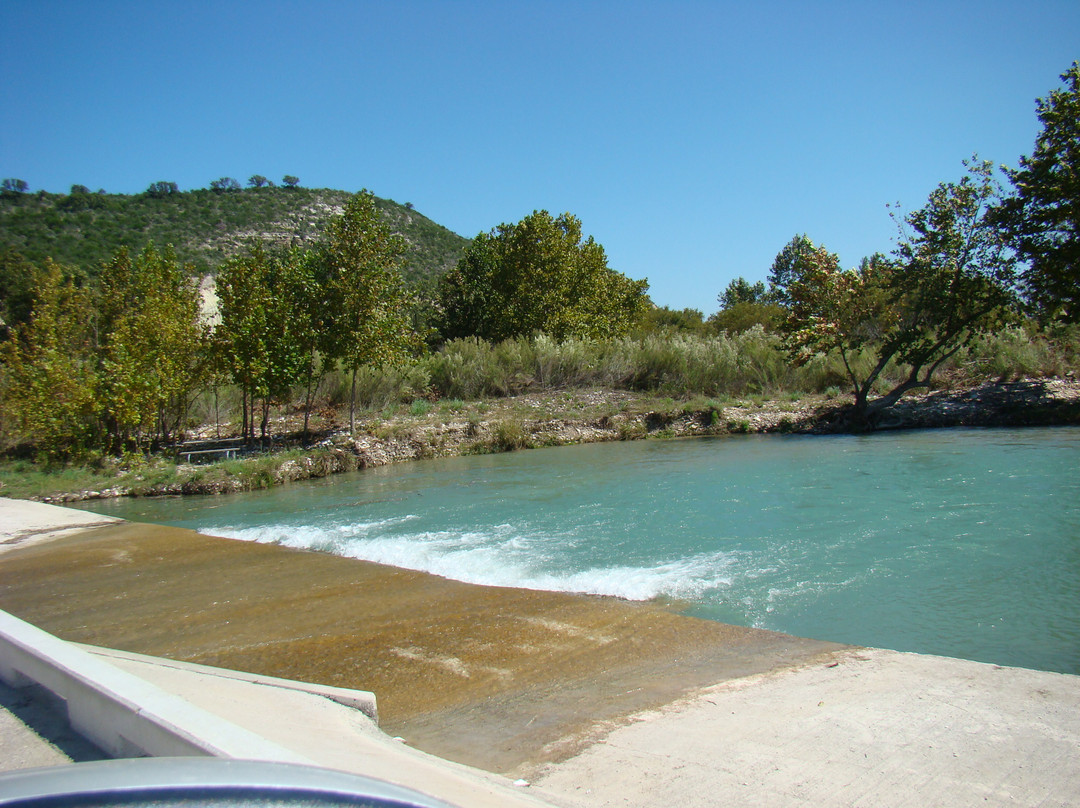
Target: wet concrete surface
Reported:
[(503, 679)]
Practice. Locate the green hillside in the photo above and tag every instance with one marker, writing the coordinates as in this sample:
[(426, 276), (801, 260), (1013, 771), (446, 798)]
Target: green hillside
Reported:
[(205, 227)]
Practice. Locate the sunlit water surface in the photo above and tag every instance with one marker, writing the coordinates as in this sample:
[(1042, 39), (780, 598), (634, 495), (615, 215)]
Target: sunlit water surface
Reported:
[(957, 542)]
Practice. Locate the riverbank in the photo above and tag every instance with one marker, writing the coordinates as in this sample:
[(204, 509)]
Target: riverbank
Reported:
[(592, 701), (561, 418)]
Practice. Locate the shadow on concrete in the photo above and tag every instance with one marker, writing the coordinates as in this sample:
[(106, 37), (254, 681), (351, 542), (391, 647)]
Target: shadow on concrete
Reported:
[(46, 716)]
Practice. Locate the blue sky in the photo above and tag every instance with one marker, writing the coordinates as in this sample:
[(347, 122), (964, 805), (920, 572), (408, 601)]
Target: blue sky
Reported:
[(693, 139)]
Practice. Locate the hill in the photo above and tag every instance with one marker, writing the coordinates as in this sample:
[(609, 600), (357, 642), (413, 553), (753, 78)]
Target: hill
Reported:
[(205, 227)]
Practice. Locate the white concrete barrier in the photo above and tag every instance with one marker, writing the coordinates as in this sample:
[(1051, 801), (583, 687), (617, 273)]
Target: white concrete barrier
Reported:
[(124, 715), (362, 700)]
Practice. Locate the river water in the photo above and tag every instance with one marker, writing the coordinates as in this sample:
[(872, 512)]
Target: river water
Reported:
[(962, 543)]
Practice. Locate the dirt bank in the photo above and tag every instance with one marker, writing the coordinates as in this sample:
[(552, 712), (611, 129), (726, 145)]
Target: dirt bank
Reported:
[(568, 417)]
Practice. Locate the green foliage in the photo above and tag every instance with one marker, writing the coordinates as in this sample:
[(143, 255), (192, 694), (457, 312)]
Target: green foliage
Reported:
[(510, 435), (744, 315), (661, 319), (150, 348), (538, 275), (420, 407), (360, 257), (1043, 219), (951, 281), (224, 184), (682, 365), (205, 228), (742, 291), (17, 279), (260, 295), (51, 382), (788, 267)]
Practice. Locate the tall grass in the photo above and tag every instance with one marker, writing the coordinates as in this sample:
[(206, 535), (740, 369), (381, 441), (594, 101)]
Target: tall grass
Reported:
[(750, 362)]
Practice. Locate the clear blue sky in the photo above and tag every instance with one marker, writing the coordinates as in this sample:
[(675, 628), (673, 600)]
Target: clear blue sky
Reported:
[(693, 139)]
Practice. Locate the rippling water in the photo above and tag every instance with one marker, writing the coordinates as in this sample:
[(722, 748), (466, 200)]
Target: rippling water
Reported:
[(956, 542)]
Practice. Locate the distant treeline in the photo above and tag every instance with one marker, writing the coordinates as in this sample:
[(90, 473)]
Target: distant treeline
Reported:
[(204, 227)]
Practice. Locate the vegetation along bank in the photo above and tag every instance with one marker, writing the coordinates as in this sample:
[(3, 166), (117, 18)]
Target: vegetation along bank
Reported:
[(345, 330)]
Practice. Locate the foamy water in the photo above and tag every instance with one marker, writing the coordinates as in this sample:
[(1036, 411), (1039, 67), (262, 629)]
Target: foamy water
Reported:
[(955, 542), (498, 557)]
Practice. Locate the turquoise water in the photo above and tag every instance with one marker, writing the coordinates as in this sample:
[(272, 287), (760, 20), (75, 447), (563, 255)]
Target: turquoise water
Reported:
[(957, 542)]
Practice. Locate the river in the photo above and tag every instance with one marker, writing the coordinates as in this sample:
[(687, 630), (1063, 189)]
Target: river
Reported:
[(963, 543)]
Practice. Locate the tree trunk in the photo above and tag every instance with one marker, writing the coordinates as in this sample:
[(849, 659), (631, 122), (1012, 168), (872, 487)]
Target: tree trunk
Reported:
[(264, 426), (244, 411), (352, 403), (308, 394)]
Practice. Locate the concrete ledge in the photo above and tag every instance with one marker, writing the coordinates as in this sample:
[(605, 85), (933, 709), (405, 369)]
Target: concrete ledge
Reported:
[(122, 714), (361, 700)]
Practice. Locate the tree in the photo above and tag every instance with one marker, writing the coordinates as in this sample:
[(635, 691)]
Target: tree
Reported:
[(161, 188), (368, 319), (1042, 220), (256, 332), (538, 275), (224, 184), (289, 181), (77, 190), (257, 181), (149, 346), (788, 265), (953, 278), (665, 320), (18, 279), (744, 305), (741, 291), (15, 186), (52, 390)]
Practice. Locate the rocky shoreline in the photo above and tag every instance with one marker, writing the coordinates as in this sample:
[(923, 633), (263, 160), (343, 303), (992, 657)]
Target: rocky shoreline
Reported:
[(565, 417)]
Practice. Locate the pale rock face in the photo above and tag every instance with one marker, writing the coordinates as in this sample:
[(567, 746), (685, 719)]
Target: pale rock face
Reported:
[(209, 307)]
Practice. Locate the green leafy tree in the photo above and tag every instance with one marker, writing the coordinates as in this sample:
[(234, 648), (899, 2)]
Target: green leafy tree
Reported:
[(308, 297), (150, 346), (665, 320), (368, 322), (162, 188), (15, 186), (17, 281), (744, 305), (789, 265), (538, 275), (257, 181), (224, 184), (741, 290), (256, 333), (953, 278), (51, 390), (1042, 220), (289, 181)]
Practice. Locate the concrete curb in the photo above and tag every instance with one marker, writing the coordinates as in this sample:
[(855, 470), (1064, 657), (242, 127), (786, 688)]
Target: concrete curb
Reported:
[(361, 700), (124, 715)]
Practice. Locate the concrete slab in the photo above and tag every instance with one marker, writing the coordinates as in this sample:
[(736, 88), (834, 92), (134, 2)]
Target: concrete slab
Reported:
[(328, 733), (878, 728), (23, 522)]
